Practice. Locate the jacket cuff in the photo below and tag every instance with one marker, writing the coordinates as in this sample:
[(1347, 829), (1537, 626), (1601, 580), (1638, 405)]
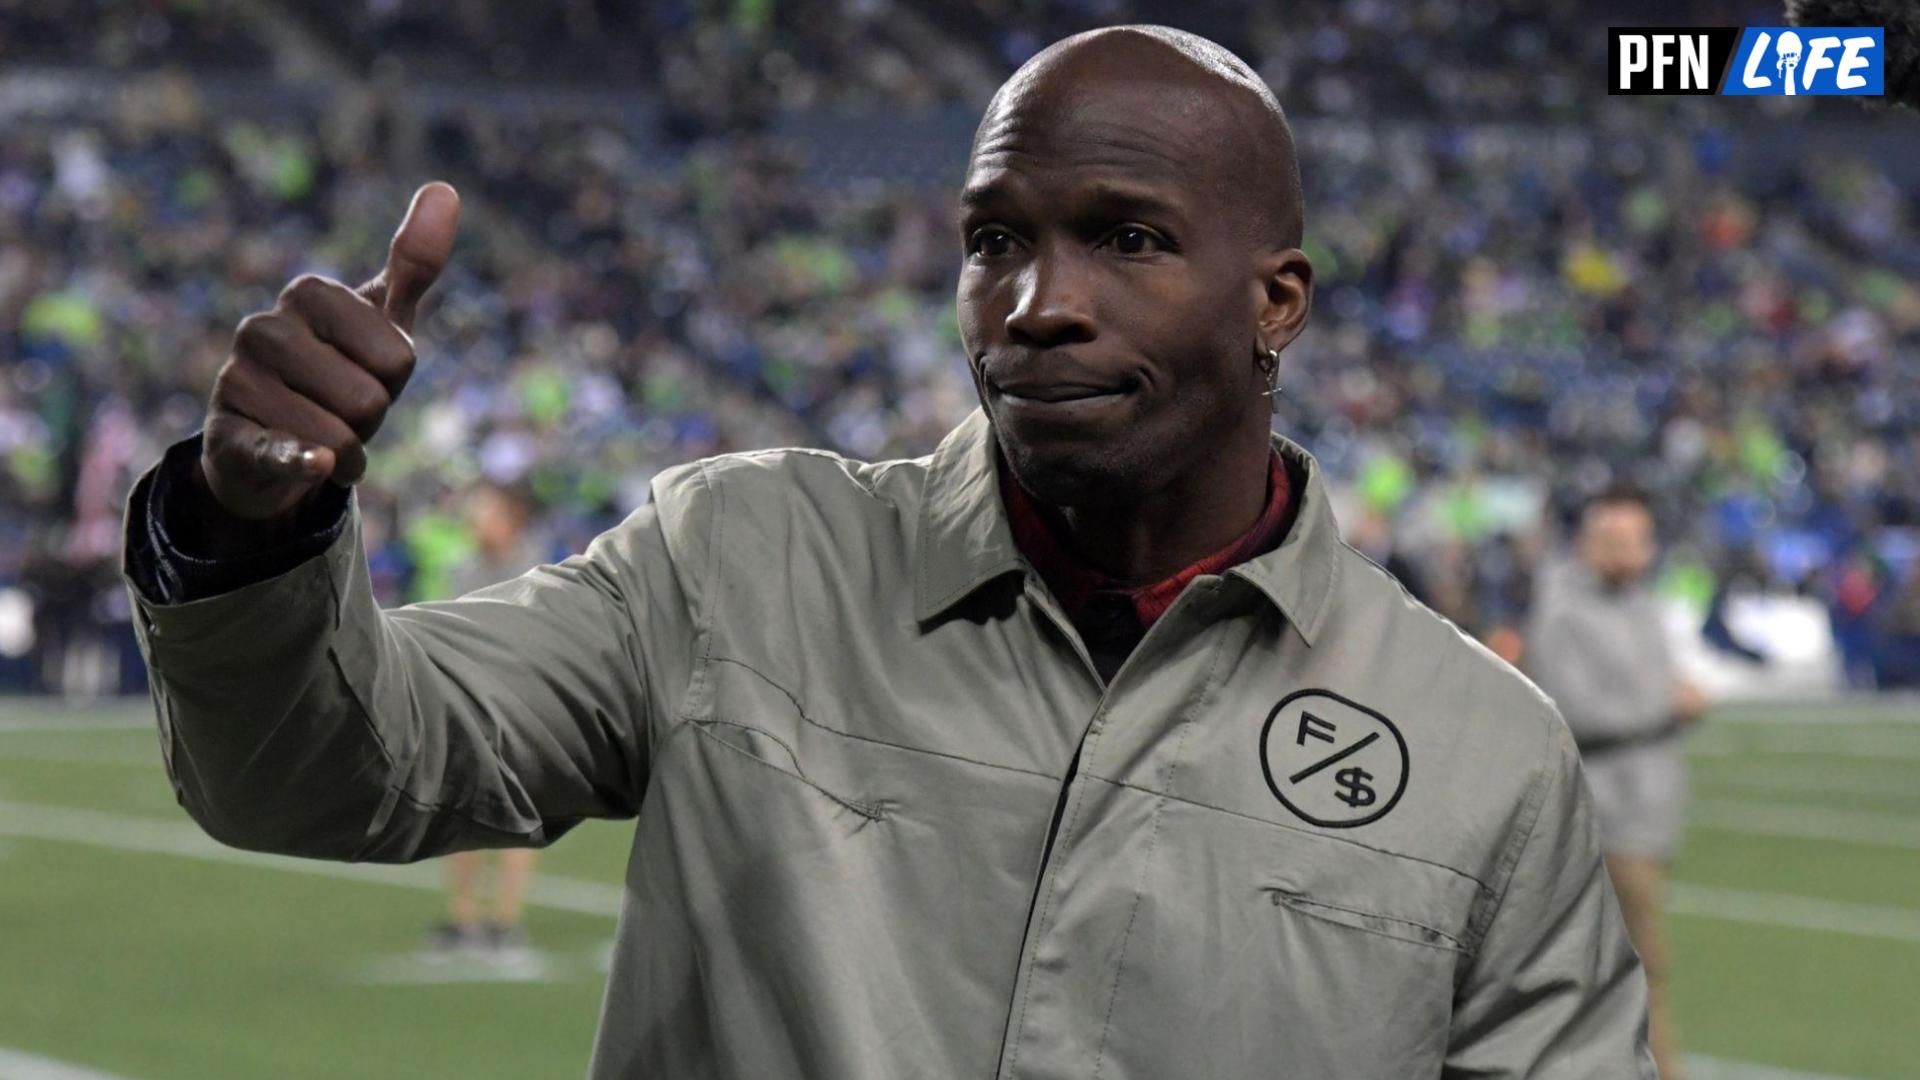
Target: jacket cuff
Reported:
[(161, 509)]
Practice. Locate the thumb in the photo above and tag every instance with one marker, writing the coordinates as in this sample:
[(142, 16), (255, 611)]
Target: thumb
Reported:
[(418, 253)]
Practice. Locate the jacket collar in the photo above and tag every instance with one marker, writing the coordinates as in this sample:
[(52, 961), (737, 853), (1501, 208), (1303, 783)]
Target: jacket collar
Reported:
[(965, 539)]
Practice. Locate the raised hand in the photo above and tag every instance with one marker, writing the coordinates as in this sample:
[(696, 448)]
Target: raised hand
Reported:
[(308, 383)]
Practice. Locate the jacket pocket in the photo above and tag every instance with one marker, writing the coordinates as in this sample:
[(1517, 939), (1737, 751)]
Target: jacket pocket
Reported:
[(1254, 948), (1367, 890), (1386, 926)]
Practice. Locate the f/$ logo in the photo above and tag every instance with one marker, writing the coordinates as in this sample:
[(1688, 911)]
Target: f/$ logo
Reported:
[(1331, 760)]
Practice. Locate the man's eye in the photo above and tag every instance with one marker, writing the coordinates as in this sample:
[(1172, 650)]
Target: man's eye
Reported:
[(990, 242), (1134, 240)]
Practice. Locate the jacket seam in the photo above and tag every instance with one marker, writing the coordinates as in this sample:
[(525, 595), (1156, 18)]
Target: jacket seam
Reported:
[(1510, 858), (870, 811), (849, 467), (802, 711), (1294, 828), (535, 837), (703, 613), (336, 593)]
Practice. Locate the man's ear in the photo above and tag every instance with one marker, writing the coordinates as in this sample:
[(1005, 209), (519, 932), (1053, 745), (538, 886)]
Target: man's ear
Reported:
[(1284, 296)]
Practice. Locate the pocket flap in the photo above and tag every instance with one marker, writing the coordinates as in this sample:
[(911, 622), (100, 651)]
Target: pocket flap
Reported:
[(1396, 895)]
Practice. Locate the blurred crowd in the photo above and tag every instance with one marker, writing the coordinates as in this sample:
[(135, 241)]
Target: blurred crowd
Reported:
[(1507, 317)]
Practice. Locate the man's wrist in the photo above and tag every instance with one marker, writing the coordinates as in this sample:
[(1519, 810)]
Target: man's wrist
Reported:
[(202, 527), (189, 547)]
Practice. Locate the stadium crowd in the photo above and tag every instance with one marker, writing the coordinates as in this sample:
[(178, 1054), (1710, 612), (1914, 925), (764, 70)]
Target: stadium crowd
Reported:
[(1506, 319)]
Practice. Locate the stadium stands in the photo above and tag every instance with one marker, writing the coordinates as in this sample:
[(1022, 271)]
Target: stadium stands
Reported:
[(1508, 314)]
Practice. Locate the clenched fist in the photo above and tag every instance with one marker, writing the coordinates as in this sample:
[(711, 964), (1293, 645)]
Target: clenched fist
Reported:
[(308, 383)]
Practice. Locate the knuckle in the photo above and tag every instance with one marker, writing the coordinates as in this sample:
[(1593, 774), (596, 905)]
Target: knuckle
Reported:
[(400, 367), (256, 331), (305, 287), (363, 404), (235, 379)]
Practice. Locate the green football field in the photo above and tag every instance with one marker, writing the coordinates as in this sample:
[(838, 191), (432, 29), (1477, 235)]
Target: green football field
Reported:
[(131, 946)]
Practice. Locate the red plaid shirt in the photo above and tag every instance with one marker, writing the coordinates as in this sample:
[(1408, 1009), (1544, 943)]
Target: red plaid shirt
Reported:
[(1040, 530)]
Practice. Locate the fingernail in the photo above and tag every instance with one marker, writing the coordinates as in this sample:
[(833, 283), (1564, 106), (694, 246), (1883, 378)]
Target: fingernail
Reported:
[(308, 460)]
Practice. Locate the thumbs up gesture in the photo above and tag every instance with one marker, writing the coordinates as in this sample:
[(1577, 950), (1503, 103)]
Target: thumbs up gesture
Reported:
[(308, 383)]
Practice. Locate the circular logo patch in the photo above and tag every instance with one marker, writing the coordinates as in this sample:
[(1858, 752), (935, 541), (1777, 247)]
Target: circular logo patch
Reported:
[(1334, 762)]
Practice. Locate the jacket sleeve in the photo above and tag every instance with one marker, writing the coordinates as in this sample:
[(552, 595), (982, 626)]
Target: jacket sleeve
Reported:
[(1554, 988), (160, 559), (298, 717)]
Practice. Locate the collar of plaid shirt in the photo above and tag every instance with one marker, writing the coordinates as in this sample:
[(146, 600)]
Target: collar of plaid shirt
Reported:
[(1040, 531)]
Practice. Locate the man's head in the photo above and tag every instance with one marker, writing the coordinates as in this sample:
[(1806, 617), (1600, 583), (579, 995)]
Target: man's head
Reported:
[(498, 515), (1131, 223), (1617, 536)]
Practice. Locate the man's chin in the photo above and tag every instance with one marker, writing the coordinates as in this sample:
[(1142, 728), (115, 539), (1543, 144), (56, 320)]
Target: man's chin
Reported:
[(1070, 472)]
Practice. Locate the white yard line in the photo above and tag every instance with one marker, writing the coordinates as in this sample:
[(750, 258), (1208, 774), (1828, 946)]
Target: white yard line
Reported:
[(1896, 799), (100, 755), (1798, 821), (1881, 707), (18, 1065), (1706, 1068), (1897, 780), (35, 821), (1878, 921), (84, 722), (120, 832), (1902, 743)]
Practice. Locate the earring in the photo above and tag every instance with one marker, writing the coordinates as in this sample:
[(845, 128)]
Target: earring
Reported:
[(1271, 365)]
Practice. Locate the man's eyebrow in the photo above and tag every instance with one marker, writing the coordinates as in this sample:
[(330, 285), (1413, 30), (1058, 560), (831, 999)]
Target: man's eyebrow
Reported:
[(978, 195), (1116, 199), (1104, 196)]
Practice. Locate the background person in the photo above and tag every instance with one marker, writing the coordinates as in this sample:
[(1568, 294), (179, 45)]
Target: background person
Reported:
[(1599, 647), (504, 547)]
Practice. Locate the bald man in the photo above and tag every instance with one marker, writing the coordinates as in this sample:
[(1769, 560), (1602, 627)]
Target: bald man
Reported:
[(1080, 747)]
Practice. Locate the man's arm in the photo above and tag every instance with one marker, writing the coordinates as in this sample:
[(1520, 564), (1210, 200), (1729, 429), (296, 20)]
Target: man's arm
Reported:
[(1554, 988), (297, 717)]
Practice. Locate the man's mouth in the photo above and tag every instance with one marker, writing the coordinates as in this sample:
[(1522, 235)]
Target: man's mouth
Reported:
[(1056, 393)]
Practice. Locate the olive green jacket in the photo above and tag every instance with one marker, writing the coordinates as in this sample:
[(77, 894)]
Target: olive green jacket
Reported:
[(1313, 831)]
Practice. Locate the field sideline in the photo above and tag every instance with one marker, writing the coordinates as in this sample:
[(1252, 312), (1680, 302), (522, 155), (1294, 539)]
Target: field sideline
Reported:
[(134, 948)]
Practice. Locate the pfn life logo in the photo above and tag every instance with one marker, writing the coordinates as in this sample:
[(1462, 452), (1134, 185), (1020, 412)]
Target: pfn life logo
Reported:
[(1757, 60)]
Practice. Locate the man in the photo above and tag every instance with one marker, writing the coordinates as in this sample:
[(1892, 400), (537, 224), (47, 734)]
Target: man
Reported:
[(503, 547), (1079, 747), (1598, 646)]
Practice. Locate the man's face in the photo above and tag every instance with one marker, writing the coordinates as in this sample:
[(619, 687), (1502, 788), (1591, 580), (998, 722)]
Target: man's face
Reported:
[(1110, 289), (1617, 541), (496, 520)]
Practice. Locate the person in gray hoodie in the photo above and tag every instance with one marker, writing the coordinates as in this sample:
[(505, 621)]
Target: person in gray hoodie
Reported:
[(1596, 644)]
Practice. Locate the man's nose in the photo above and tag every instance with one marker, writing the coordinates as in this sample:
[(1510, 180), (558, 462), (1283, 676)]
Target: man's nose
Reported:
[(1052, 305)]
